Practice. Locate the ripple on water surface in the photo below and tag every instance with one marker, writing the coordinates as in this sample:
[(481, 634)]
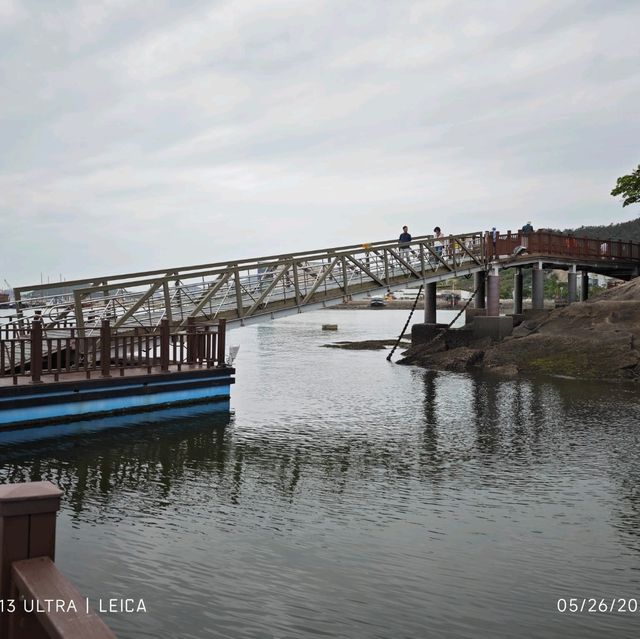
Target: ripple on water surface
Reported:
[(350, 497)]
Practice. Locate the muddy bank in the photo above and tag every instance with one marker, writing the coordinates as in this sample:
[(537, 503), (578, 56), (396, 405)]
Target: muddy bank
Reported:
[(394, 305), (597, 339), (367, 345)]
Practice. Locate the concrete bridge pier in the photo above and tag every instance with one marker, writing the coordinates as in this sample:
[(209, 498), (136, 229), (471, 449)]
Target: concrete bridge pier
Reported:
[(584, 286), (572, 281), (492, 324), (424, 333), (430, 303), (537, 287), (493, 294), (517, 292), (479, 283)]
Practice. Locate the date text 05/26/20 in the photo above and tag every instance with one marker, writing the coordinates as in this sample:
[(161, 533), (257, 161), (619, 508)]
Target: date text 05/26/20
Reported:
[(595, 605)]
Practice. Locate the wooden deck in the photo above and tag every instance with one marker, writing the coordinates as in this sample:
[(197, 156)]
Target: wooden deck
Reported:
[(81, 376)]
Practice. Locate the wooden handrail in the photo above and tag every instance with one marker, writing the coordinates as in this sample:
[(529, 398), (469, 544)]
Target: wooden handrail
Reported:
[(28, 574), (60, 609), (551, 244), (198, 345)]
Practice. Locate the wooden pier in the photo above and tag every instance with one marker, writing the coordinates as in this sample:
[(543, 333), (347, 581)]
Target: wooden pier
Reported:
[(54, 375)]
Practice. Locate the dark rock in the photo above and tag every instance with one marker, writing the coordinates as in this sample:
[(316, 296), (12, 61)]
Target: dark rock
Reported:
[(365, 345), (588, 340)]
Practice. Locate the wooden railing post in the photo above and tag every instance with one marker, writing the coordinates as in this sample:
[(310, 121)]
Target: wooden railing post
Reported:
[(200, 352), (36, 350), (191, 340), (27, 529), (222, 333), (105, 348), (206, 341), (165, 337)]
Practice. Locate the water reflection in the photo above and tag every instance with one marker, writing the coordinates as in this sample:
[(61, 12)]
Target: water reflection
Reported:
[(438, 498), (101, 466), (508, 426), (430, 459)]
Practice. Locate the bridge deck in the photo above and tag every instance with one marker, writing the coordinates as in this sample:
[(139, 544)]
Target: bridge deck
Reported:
[(81, 376)]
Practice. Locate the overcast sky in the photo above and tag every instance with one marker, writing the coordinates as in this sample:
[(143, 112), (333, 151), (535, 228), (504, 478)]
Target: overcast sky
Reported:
[(142, 134)]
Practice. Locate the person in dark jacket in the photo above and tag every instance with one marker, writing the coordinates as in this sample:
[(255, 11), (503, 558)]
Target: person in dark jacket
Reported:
[(526, 230), (404, 241), (405, 237)]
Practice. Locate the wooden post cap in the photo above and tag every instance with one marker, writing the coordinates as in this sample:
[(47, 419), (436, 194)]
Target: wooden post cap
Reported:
[(29, 498)]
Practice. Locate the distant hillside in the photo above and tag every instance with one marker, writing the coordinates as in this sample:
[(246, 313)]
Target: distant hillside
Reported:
[(624, 231)]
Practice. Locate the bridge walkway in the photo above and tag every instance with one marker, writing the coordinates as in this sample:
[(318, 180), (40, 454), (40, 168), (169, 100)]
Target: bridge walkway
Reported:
[(251, 290)]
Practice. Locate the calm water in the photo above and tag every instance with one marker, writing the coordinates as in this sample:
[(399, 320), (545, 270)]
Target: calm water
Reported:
[(350, 497)]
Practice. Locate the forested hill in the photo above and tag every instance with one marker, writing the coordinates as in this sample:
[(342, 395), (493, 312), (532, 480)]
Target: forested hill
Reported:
[(627, 231)]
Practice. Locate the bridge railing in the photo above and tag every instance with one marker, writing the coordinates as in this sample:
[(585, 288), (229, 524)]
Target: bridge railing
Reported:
[(249, 288), (38, 352), (563, 245)]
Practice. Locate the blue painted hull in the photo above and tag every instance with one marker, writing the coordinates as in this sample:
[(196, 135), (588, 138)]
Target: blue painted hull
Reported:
[(216, 413), (59, 402)]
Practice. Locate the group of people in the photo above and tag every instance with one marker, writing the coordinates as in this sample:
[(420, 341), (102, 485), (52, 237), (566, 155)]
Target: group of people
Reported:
[(404, 241)]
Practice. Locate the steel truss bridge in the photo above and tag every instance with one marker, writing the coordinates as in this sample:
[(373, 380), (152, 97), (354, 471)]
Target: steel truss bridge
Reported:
[(251, 290)]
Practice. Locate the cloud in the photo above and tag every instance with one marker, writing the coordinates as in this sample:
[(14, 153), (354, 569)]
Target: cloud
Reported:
[(11, 13), (141, 134)]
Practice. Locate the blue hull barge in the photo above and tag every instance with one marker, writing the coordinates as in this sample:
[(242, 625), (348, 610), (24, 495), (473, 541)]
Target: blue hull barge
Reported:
[(58, 375)]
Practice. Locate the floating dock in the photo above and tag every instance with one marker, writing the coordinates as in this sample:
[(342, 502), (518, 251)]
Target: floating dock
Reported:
[(62, 375)]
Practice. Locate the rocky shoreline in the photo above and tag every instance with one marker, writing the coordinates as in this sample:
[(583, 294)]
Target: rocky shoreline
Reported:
[(596, 339)]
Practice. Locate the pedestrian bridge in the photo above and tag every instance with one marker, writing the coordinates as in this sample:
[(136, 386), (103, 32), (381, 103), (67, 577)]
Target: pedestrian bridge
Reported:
[(250, 290)]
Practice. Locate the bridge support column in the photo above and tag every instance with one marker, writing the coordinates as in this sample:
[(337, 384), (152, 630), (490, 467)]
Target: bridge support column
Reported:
[(584, 286), (493, 294), (572, 282), (430, 303), (479, 283), (517, 292), (537, 287)]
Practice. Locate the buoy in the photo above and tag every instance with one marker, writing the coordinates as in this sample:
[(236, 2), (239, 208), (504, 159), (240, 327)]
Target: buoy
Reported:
[(329, 327)]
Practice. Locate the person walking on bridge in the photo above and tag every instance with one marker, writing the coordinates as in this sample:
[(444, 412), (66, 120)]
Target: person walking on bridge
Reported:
[(438, 243), (404, 242), (494, 241), (526, 230)]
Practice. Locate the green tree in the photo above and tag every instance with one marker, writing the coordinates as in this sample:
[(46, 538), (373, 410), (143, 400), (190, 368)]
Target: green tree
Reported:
[(506, 283), (629, 187), (553, 289)]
